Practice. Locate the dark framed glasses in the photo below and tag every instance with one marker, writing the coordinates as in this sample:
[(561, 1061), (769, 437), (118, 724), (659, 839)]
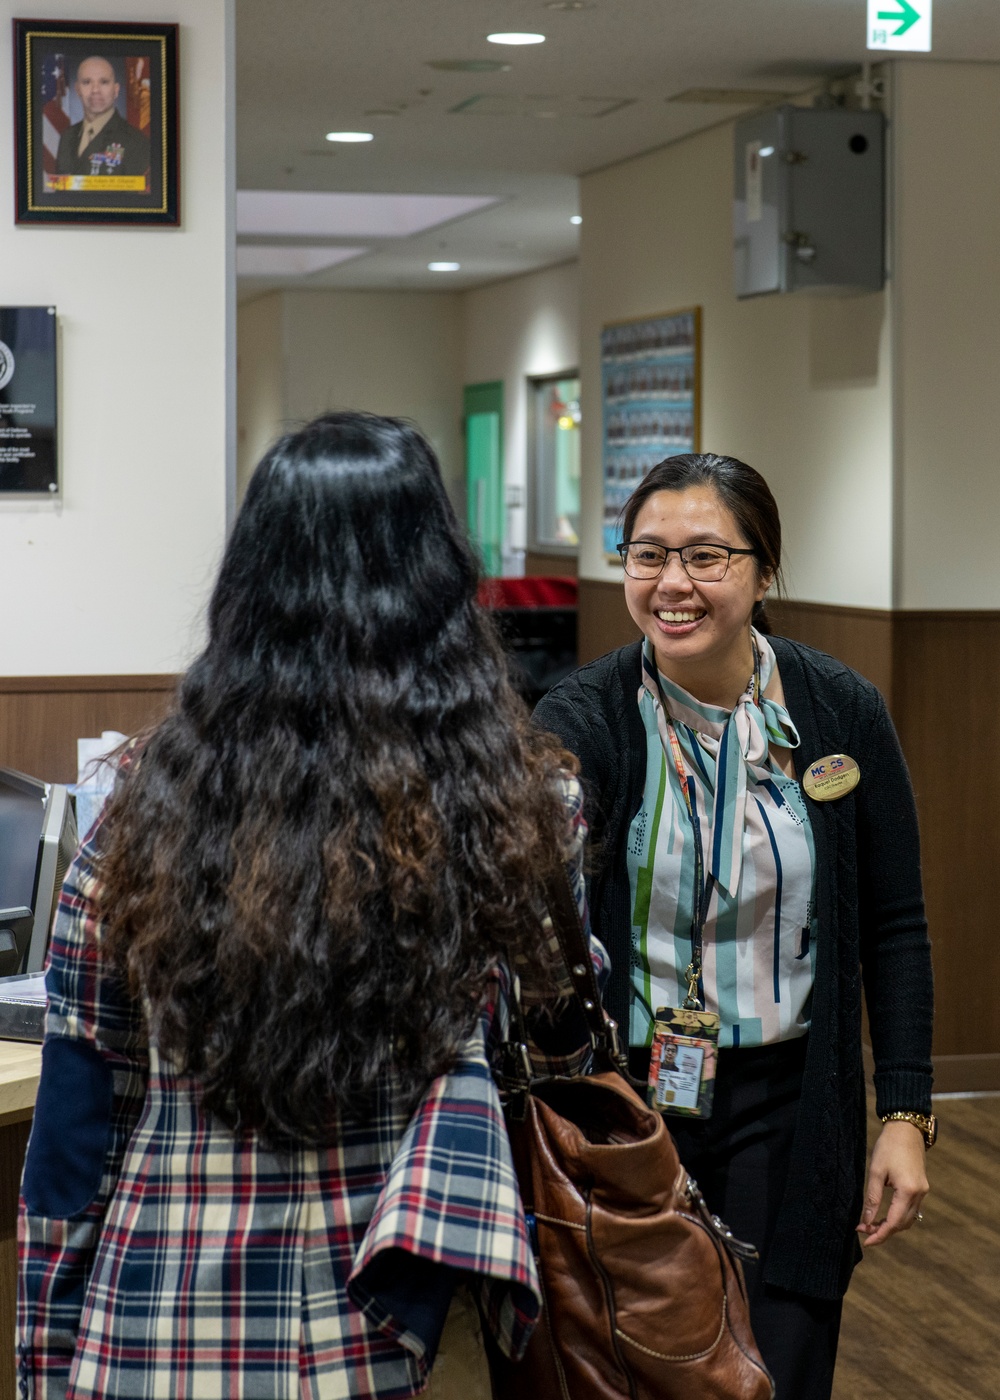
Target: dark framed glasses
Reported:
[(705, 563)]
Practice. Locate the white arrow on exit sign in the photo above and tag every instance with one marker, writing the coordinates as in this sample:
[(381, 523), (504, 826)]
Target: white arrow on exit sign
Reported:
[(900, 24)]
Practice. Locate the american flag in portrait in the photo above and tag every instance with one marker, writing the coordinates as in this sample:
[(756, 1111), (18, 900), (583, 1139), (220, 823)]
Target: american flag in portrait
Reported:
[(55, 108)]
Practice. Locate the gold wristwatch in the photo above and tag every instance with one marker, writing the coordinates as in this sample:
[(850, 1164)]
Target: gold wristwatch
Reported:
[(926, 1122)]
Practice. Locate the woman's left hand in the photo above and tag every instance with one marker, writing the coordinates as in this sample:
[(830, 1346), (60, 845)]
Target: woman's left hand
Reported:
[(897, 1164)]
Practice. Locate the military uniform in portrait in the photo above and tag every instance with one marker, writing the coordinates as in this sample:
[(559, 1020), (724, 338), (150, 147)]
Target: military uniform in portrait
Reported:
[(118, 148)]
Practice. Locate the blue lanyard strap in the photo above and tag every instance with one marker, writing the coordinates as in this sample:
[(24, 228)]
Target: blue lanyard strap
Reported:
[(695, 999)]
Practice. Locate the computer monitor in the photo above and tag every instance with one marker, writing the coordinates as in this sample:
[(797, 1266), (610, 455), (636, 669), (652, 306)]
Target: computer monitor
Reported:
[(37, 842)]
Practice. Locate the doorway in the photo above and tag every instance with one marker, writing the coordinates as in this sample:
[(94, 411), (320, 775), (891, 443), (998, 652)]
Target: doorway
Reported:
[(483, 414)]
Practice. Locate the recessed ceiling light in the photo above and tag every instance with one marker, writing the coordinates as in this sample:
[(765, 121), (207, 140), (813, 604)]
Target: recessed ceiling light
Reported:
[(568, 5), (350, 137), (469, 65), (516, 38), (576, 218), (443, 267)]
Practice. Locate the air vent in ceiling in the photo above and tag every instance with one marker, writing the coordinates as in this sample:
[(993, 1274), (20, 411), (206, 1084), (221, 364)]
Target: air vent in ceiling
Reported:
[(508, 105), (731, 97)]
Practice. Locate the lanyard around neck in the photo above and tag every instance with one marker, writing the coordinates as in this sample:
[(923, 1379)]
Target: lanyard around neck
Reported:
[(695, 999)]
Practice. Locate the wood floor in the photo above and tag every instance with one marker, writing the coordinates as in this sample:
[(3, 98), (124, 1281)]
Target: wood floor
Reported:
[(922, 1317)]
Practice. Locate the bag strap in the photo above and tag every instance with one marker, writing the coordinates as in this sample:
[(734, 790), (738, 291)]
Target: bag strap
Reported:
[(568, 928)]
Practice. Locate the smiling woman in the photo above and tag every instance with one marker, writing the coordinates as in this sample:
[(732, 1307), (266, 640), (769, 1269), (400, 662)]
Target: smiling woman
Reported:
[(737, 890), (708, 594)]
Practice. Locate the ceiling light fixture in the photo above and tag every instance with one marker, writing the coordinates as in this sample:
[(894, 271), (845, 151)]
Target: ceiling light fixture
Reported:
[(576, 218), (350, 138), (443, 266), (515, 38)]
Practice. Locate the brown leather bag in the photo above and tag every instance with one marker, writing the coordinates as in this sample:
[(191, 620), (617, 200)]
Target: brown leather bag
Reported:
[(643, 1288)]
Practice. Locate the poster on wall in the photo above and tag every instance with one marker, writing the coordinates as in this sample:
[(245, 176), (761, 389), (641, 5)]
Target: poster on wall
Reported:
[(651, 397), (28, 438), (95, 127)]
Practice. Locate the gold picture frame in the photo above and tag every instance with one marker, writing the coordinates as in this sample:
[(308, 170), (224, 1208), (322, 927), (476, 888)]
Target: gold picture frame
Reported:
[(96, 123)]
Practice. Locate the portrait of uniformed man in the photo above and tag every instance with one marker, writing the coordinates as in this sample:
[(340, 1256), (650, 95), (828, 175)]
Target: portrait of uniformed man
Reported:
[(103, 142)]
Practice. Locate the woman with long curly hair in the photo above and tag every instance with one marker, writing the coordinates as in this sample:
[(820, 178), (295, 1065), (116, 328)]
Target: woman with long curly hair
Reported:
[(280, 959)]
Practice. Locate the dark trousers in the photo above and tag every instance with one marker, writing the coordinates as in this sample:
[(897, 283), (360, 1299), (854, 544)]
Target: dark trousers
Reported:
[(739, 1157)]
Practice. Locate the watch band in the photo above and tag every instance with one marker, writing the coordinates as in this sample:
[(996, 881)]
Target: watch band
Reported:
[(926, 1123)]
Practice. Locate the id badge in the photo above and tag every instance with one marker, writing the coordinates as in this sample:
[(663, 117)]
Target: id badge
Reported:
[(682, 1062)]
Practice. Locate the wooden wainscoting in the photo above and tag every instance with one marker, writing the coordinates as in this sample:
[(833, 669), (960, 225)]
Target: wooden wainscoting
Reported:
[(538, 564), (41, 717), (946, 687), (603, 622), (861, 637)]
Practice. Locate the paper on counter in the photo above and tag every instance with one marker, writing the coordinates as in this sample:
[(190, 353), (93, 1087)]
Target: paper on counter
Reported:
[(95, 776)]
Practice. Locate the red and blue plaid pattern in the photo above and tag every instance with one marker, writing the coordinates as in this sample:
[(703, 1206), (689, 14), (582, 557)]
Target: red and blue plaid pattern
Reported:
[(162, 1255)]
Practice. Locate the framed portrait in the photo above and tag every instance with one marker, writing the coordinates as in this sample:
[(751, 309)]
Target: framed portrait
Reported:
[(95, 128), (651, 401)]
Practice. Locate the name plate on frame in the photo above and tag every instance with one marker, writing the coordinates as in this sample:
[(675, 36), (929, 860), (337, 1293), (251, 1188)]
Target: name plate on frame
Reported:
[(28, 426)]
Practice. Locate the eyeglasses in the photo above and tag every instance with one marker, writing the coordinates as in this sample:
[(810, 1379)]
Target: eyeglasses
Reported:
[(705, 563)]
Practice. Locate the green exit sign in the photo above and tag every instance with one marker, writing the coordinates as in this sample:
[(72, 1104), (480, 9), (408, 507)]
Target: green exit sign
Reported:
[(900, 24)]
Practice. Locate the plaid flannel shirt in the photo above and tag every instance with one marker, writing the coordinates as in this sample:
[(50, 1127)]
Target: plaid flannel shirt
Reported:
[(163, 1255)]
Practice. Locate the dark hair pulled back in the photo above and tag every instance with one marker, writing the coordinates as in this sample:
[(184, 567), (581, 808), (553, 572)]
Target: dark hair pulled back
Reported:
[(312, 866), (742, 489)]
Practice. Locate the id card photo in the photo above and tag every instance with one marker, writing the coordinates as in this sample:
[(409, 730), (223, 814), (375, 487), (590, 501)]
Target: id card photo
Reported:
[(678, 1083)]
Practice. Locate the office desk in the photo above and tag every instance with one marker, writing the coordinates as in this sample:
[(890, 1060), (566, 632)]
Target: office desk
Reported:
[(20, 1065)]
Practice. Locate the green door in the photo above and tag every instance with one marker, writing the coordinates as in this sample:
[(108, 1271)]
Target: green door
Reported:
[(484, 472)]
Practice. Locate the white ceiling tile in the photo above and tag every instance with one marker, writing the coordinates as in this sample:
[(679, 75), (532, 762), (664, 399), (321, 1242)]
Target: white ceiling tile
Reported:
[(315, 214), (288, 259)]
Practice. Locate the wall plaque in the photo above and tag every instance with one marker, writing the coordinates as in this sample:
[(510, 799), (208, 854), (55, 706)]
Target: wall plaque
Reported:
[(28, 438), (651, 388)]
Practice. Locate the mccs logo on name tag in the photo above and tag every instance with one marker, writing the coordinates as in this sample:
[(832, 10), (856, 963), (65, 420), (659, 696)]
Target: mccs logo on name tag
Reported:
[(831, 777)]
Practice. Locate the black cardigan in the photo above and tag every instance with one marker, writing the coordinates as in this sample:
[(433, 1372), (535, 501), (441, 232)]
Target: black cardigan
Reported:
[(871, 924)]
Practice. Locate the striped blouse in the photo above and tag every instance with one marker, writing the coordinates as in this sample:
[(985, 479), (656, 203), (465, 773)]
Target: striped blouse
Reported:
[(759, 937)]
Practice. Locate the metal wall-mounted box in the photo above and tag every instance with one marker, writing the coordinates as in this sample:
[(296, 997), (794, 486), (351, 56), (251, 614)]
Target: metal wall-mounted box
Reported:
[(809, 201)]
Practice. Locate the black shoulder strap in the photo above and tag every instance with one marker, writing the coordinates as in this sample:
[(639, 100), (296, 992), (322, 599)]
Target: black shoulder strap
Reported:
[(566, 924)]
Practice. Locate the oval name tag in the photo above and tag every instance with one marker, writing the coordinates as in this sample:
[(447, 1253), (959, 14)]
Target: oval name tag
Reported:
[(831, 777)]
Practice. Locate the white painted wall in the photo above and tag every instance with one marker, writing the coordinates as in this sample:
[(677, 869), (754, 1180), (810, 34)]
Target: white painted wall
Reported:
[(947, 329), (260, 381), (112, 577), (513, 330), (798, 387), (397, 353)]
